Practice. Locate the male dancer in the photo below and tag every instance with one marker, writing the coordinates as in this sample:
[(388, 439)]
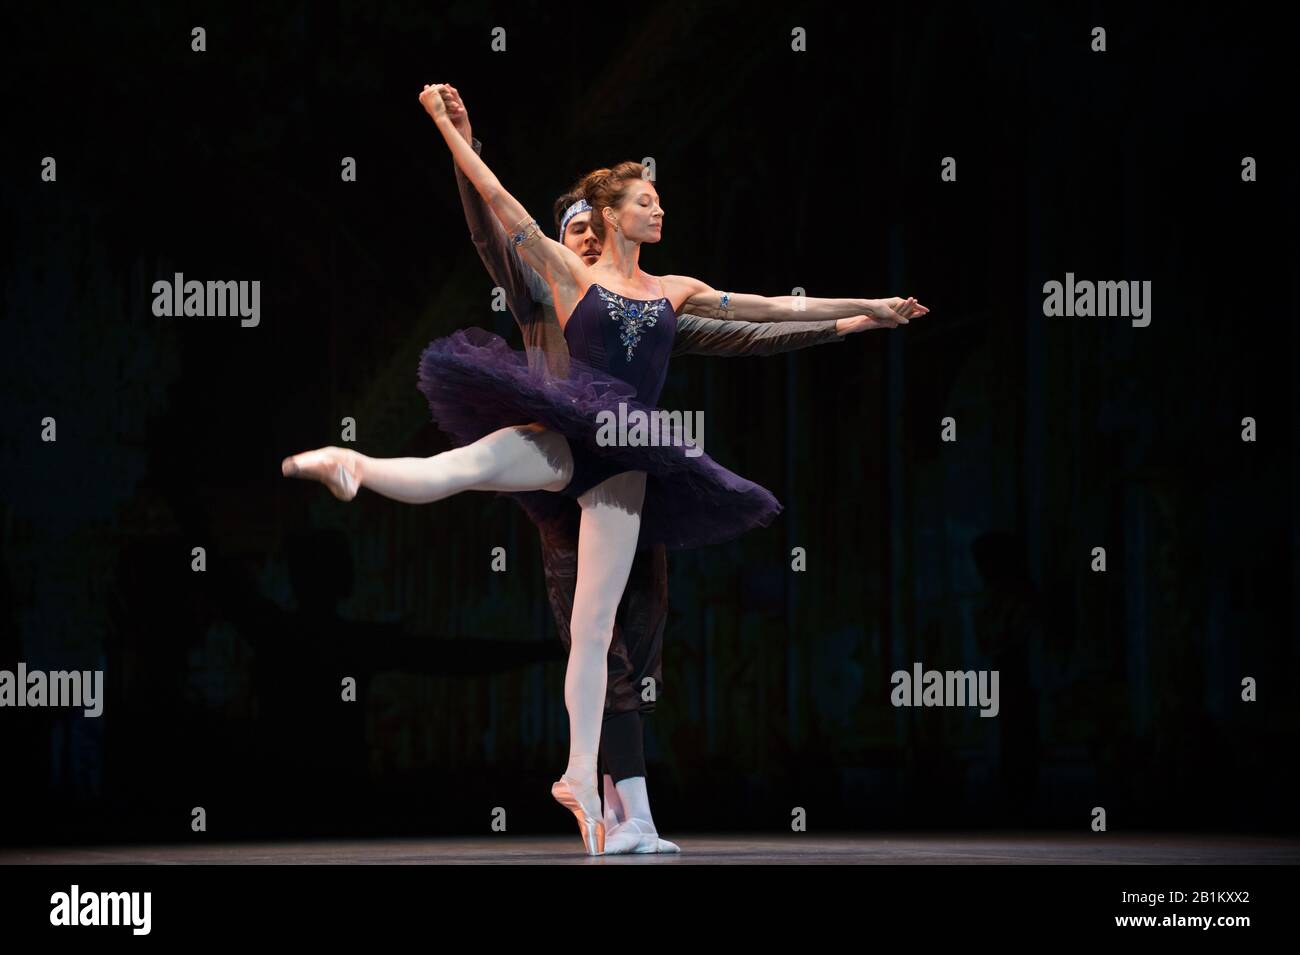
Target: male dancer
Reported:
[(636, 650)]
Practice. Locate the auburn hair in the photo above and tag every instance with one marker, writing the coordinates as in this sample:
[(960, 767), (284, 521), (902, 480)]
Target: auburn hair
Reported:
[(605, 189)]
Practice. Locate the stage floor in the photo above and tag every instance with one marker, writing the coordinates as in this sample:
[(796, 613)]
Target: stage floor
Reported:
[(704, 849)]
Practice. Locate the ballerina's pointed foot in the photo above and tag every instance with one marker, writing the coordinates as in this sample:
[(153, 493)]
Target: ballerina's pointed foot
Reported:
[(336, 468), (584, 803)]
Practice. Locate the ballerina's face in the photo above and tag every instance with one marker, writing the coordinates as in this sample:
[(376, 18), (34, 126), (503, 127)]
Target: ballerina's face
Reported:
[(639, 216), (579, 237)]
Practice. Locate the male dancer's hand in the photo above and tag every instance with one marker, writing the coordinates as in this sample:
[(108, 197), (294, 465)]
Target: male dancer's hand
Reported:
[(432, 101), (457, 111)]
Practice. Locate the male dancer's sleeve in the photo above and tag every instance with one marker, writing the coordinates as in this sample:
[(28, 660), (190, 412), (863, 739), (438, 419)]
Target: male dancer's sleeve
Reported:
[(732, 339), (523, 286)]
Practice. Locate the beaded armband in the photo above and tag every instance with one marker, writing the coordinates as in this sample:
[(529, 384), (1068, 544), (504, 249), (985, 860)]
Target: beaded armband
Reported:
[(526, 231)]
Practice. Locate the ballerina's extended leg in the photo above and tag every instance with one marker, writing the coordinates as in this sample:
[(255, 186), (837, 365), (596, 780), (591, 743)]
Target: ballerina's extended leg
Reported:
[(522, 458)]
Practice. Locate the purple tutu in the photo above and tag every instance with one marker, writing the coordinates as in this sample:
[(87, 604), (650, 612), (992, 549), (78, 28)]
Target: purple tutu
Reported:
[(476, 383)]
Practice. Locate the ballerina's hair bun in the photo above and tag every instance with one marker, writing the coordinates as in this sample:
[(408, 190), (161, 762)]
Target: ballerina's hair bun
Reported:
[(605, 189)]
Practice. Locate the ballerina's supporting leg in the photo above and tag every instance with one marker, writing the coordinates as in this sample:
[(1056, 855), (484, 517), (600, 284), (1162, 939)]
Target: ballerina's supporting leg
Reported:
[(607, 538), (522, 458)]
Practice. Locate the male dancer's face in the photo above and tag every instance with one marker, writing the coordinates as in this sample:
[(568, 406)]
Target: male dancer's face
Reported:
[(579, 237)]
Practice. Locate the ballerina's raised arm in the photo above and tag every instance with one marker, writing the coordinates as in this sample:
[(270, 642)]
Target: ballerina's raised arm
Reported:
[(563, 270)]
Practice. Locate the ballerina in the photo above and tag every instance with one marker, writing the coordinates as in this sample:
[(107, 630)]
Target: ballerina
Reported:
[(523, 431)]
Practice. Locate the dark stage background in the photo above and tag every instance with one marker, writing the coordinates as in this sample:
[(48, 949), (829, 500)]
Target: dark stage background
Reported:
[(778, 169)]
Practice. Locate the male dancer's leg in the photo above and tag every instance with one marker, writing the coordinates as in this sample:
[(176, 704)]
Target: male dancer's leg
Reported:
[(636, 677), (636, 681)]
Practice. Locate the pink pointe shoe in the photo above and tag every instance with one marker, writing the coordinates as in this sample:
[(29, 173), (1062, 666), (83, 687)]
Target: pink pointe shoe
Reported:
[(584, 803), (336, 468)]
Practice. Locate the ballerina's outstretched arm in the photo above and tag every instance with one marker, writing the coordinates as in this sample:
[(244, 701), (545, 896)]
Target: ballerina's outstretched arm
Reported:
[(699, 298), (561, 267)]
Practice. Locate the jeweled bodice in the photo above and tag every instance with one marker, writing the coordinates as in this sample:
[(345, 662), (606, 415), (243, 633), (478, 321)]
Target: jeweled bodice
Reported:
[(631, 338)]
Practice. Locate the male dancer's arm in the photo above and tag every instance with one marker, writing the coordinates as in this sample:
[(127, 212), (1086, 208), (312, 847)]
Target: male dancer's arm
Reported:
[(523, 286), (561, 267), (527, 295), (731, 339)]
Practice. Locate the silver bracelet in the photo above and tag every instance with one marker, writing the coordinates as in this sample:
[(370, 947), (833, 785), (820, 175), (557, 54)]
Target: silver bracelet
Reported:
[(525, 231)]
